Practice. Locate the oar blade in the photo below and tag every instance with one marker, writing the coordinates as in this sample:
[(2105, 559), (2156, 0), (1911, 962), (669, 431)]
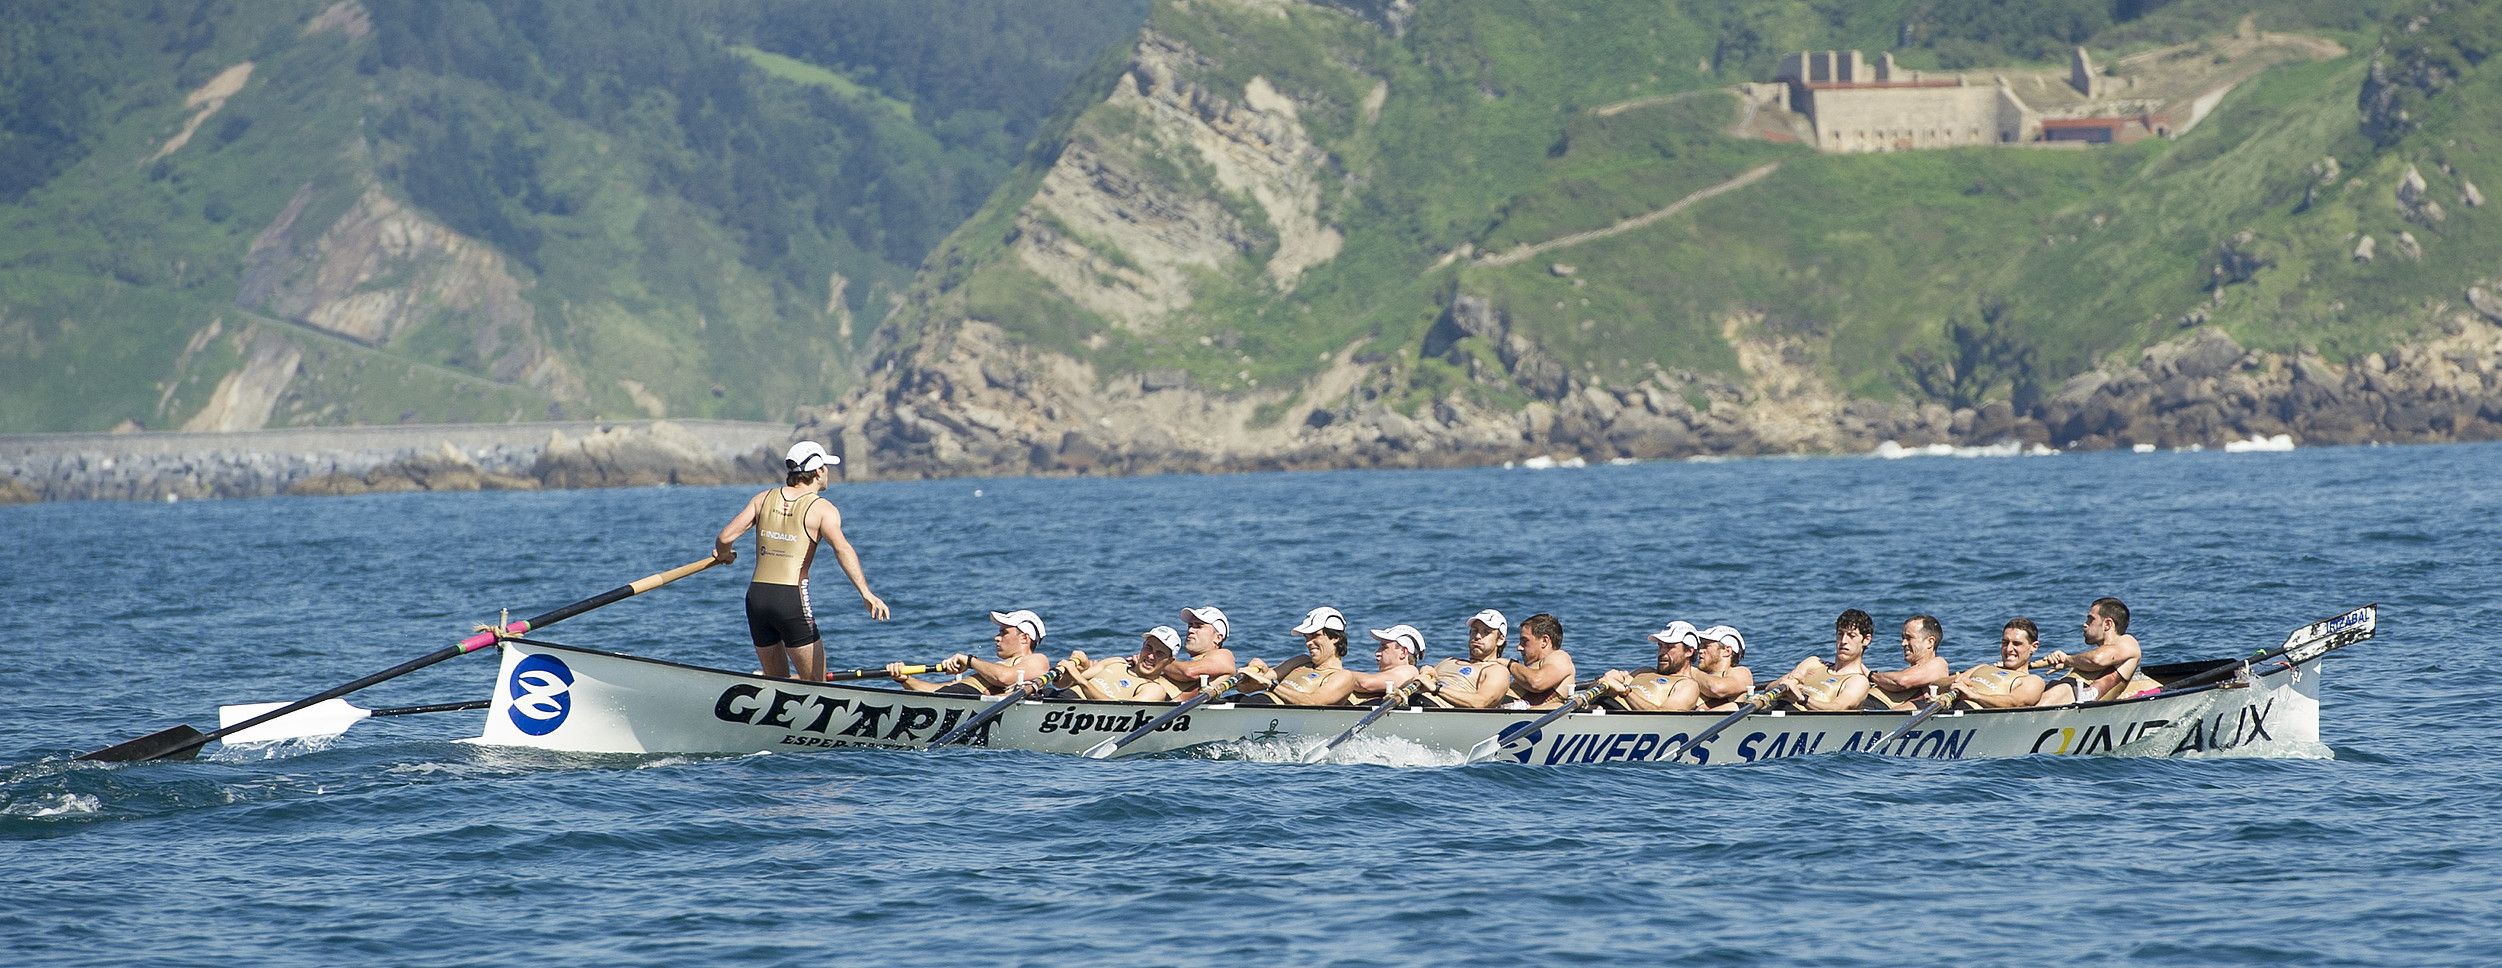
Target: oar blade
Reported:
[(319, 720), (174, 742)]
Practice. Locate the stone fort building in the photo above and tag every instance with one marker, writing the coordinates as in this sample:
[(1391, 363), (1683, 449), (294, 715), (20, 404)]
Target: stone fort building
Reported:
[(1853, 105)]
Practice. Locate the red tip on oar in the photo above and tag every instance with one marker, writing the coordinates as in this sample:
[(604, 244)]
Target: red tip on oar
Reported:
[(484, 639)]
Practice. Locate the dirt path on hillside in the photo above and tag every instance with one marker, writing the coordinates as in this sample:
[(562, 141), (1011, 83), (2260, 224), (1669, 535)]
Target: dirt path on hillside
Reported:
[(1526, 252)]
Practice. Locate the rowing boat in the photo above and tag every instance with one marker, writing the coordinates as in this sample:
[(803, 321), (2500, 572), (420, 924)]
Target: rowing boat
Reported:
[(551, 696)]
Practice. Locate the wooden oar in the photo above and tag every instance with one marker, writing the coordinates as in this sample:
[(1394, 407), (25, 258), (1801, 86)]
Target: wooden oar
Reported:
[(322, 719), (184, 742), (1487, 747), (1015, 694), (2305, 644), (1746, 707), (1389, 701), (1935, 705), (1105, 749), (878, 673)]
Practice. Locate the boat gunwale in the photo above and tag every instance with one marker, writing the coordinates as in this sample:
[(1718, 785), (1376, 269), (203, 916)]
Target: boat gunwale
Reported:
[(2175, 668)]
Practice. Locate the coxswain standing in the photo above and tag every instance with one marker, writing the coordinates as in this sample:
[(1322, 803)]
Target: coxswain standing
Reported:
[(1922, 666), (1666, 687), (1480, 680), (1019, 636), (1325, 682), (1841, 683), (1543, 676), (2103, 670), (1209, 658), (1719, 677), (2010, 683), (790, 520)]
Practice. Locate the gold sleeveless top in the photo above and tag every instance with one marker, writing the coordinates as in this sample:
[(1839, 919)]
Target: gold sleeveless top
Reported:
[(1996, 679), (1654, 687), (783, 546), (1824, 688)]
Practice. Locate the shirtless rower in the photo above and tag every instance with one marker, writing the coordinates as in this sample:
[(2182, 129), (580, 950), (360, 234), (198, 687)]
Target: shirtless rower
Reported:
[(1665, 687), (1209, 658), (1395, 654), (1719, 677), (2009, 683), (1841, 683), (1020, 634), (1922, 667), (2103, 670), (1325, 682), (1543, 676), (1479, 680), (1134, 678)]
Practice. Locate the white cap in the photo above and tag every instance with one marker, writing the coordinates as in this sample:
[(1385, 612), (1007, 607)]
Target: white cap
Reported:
[(1491, 619), (1727, 636), (1207, 615), (1021, 619), (1320, 618), (807, 456), (1165, 636), (1676, 632), (1406, 637)]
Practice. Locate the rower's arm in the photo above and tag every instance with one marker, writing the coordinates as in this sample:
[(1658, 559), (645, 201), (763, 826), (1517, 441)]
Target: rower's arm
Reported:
[(830, 530), (1920, 676), (1187, 672), (2099, 660), (1727, 686), (1547, 678), (2022, 693), (1481, 691), (1853, 692), (997, 677), (1382, 681), (725, 545), (1330, 690)]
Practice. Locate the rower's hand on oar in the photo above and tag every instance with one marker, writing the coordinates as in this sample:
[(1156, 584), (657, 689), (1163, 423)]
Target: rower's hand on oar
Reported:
[(723, 556), (896, 670), (877, 606), (956, 663), (2056, 659)]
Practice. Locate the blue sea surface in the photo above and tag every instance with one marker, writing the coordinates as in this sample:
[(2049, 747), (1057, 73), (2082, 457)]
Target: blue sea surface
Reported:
[(396, 844)]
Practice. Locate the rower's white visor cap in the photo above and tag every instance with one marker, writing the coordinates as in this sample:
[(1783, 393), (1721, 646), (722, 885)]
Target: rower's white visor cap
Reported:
[(1207, 615), (1491, 619), (1023, 620), (807, 456), (1677, 632), (1320, 618), (1727, 636), (1403, 636), (1165, 636)]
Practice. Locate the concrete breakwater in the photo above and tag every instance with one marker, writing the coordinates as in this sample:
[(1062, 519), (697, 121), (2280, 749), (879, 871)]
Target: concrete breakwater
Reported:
[(358, 460)]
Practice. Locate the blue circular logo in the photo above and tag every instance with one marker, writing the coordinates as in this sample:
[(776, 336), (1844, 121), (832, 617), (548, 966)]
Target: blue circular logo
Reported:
[(541, 691)]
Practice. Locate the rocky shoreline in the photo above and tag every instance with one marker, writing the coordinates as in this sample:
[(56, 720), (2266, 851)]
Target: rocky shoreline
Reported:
[(972, 404), (336, 461)]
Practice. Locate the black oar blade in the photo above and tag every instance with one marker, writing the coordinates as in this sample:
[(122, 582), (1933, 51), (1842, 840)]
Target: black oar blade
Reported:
[(177, 742)]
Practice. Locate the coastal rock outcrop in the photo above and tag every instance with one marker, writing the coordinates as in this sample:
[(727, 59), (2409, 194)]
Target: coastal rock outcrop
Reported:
[(660, 453)]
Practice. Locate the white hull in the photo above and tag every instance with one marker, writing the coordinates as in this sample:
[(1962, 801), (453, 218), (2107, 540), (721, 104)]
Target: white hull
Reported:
[(580, 700)]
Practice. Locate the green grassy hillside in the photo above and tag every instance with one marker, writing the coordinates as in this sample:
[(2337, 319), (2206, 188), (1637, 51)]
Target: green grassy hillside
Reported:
[(1499, 126), (702, 209)]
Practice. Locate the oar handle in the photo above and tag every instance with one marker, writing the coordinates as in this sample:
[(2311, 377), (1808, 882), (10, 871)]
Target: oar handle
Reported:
[(609, 597), (851, 674)]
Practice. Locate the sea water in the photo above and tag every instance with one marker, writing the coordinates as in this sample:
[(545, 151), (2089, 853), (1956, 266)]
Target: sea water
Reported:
[(396, 844)]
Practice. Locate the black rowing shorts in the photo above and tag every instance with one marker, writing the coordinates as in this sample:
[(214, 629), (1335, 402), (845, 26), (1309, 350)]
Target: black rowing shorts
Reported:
[(779, 615)]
